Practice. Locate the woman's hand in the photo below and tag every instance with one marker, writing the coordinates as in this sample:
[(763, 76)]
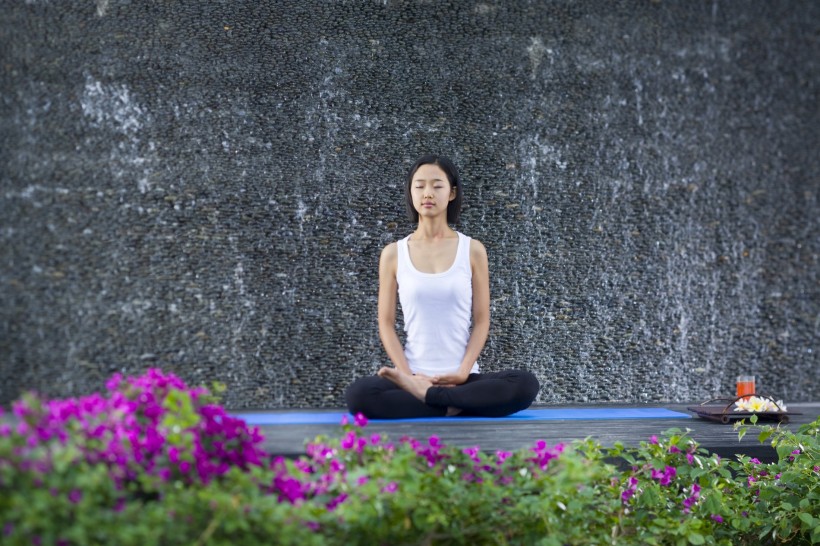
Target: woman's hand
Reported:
[(450, 379)]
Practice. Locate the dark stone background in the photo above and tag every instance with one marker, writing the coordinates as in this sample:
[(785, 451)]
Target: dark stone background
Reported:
[(205, 186)]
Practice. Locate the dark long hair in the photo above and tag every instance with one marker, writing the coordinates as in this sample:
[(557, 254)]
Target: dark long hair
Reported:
[(449, 168)]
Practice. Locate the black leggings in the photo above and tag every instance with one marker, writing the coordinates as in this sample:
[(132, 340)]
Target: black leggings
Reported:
[(493, 394)]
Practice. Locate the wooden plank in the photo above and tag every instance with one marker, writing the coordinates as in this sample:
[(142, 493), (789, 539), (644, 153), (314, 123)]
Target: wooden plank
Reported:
[(289, 440)]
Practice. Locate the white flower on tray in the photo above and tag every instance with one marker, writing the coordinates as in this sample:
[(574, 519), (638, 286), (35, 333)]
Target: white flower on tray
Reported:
[(755, 404)]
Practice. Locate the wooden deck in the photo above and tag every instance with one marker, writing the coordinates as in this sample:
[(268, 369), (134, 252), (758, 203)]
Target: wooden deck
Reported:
[(289, 440)]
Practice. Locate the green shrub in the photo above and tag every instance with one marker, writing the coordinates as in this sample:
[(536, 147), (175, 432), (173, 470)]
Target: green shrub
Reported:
[(155, 462)]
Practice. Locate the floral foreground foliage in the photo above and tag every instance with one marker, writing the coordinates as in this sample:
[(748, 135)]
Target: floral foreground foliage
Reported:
[(153, 461)]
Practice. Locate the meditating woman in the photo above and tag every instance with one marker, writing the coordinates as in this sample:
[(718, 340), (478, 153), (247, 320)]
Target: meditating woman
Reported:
[(442, 280)]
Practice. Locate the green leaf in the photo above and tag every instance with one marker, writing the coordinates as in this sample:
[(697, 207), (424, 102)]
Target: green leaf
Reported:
[(696, 538), (806, 518), (650, 497), (712, 503), (753, 419), (764, 435)]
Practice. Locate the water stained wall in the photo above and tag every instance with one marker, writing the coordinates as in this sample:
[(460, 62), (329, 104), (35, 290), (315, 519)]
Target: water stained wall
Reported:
[(205, 187)]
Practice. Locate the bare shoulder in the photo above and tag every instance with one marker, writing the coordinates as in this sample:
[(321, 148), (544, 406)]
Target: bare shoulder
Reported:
[(390, 256), (478, 254), (390, 251), (477, 249)]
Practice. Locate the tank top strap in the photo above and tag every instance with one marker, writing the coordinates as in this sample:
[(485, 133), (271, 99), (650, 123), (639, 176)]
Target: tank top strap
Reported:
[(404, 253), (463, 253)]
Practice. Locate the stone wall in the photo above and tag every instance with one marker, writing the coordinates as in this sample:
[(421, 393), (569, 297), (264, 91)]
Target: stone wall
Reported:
[(205, 186)]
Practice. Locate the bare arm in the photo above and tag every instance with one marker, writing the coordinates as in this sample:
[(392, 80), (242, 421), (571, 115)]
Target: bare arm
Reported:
[(388, 290), (481, 316)]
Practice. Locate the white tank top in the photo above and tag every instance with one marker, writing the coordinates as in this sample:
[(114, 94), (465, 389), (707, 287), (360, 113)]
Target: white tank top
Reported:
[(437, 310)]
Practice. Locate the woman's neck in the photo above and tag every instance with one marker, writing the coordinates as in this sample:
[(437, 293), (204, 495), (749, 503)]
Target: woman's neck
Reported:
[(432, 229)]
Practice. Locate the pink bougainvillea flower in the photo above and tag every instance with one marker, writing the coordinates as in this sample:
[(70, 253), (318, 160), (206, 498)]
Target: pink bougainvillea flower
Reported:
[(289, 488), (336, 467), (473, 453), (333, 504), (629, 490), (360, 420), (348, 441), (664, 476), (502, 456), (692, 499), (543, 454)]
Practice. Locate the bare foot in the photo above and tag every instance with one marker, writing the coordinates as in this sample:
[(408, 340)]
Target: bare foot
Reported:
[(414, 384)]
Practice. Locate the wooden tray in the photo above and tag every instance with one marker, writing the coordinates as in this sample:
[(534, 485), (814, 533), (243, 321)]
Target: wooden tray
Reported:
[(725, 413)]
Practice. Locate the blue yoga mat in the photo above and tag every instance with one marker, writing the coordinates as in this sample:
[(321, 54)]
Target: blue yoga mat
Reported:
[(552, 414)]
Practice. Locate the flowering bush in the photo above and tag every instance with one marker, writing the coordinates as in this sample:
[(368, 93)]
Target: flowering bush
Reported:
[(153, 461), (153, 424)]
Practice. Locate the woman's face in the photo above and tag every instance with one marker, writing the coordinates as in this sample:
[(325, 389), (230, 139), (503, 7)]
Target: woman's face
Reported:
[(431, 190)]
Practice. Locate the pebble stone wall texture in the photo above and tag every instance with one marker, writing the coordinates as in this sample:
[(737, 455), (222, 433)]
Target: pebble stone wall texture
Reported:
[(205, 186)]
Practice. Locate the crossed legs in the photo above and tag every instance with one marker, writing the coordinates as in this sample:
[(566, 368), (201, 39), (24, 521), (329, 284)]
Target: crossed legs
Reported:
[(391, 395)]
